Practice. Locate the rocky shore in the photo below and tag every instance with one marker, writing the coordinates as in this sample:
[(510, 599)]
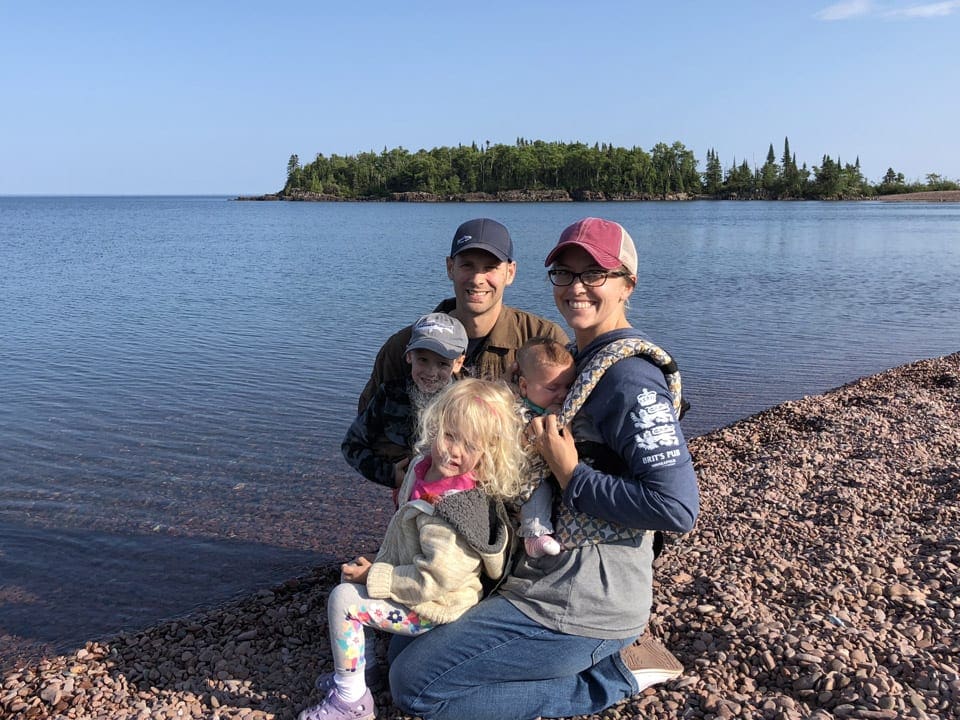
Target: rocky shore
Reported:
[(822, 581), (928, 196), (504, 196), (523, 196)]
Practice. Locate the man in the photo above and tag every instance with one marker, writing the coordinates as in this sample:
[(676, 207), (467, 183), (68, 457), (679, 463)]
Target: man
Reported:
[(480, 266)]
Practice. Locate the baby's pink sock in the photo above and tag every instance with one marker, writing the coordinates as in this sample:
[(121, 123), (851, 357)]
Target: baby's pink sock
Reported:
[(539, 546)]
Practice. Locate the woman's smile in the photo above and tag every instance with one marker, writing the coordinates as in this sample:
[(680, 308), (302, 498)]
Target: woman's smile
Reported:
[(590, 310)]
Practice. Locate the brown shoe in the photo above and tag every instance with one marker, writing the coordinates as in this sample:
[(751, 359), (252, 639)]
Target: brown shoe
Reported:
[(650, 662)]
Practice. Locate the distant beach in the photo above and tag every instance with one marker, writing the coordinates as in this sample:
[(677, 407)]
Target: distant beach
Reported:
[(930, 196), (820, 582)]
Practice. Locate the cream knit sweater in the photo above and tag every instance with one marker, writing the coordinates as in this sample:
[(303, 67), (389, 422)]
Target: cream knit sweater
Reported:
[(432, 557)]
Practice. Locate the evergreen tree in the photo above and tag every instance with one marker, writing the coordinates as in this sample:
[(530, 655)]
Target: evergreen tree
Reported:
[(713, 174), (664, 167), (739, 182), (790, 185), (854, 184), (892, 183), (688, 178), (827, 182), (293, 173), (770, 175)]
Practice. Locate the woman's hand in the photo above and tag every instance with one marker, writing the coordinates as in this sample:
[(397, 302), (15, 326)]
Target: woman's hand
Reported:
[(355, 571), (555, 445)]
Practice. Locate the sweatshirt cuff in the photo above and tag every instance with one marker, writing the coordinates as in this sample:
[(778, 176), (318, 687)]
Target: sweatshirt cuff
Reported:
[(379, 580)]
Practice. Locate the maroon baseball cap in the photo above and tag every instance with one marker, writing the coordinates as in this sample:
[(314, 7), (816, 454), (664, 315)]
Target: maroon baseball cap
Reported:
[(605, 241)]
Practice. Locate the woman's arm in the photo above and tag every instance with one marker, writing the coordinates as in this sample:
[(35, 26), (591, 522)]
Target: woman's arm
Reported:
[(630, 413)]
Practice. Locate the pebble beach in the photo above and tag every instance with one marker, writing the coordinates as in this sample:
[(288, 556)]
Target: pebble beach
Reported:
[(822, 581)]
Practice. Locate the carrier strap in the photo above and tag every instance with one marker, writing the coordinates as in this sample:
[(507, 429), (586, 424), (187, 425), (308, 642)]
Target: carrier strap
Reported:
[(605, 358)]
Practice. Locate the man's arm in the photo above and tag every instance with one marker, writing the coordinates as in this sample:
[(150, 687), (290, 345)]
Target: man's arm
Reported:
[(364, 446), (389, 365)]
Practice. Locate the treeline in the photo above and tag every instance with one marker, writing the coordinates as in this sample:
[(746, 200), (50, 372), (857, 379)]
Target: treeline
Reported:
[(583, 171)]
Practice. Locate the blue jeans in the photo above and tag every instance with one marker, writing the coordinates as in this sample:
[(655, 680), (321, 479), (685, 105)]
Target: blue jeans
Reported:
[(494, 662)]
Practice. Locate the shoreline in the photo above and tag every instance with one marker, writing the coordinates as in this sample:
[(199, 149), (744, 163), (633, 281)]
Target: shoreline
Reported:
[(554, 196), (820, 581), (933, 196)]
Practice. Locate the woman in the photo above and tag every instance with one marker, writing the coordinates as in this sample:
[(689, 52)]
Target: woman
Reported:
[(548, 642)]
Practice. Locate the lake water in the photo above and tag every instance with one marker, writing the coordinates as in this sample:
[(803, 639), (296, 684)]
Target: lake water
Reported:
[(176, 373)]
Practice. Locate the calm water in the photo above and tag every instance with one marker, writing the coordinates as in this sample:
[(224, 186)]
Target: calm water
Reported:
[(176, 373)]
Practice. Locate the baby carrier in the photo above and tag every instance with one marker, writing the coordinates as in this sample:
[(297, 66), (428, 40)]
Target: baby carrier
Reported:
[(573, 528)]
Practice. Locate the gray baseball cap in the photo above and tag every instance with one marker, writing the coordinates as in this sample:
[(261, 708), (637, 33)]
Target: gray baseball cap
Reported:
[(440, 333)]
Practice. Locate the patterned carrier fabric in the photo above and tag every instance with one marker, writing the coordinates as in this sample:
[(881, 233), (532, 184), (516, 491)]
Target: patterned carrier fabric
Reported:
[(573, 528), (537, 470)]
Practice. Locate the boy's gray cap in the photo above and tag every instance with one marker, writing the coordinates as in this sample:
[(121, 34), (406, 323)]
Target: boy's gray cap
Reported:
[(440, 333), (483, 234)]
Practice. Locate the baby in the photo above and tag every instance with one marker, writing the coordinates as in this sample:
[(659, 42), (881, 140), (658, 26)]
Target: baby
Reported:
[(546, 372)]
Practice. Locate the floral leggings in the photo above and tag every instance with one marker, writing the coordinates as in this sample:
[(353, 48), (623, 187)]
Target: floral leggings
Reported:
[(350, 615)]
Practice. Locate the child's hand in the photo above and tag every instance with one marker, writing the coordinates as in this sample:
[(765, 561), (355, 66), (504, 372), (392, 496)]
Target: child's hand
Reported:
[(355, 571)]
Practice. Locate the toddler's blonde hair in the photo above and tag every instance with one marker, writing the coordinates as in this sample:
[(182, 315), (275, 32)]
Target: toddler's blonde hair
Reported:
[(484, 414)]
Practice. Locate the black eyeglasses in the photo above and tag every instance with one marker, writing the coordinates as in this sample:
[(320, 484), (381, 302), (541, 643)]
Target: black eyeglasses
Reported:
[(590, 278)]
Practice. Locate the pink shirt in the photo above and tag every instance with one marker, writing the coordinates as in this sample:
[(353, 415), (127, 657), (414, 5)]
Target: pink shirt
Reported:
[(433, 491)]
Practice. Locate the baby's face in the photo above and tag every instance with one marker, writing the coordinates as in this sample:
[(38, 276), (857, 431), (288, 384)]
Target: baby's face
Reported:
[(547, 385), (432, 372)]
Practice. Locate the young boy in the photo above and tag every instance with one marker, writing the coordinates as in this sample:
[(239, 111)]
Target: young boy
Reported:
[(380, 440), (546, 372)]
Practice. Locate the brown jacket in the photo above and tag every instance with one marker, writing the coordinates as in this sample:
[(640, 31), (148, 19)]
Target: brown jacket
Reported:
[(492, 361)]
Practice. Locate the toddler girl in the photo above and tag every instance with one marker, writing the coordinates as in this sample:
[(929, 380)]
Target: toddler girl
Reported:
[(450, 529)]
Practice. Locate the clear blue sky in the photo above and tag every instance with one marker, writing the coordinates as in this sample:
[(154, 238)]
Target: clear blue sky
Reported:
[(213, 97)]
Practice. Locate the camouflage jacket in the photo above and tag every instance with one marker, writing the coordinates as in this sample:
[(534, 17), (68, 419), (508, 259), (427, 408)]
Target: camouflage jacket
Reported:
[(383, 434)]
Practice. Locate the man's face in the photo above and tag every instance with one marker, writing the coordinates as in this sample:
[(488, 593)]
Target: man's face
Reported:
[(479, 279), (432, 372)]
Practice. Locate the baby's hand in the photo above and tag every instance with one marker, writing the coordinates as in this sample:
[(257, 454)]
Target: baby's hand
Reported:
[(355, 571)]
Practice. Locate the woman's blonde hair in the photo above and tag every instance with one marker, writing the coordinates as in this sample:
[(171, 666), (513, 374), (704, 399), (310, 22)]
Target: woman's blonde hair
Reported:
[(484, 414)]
